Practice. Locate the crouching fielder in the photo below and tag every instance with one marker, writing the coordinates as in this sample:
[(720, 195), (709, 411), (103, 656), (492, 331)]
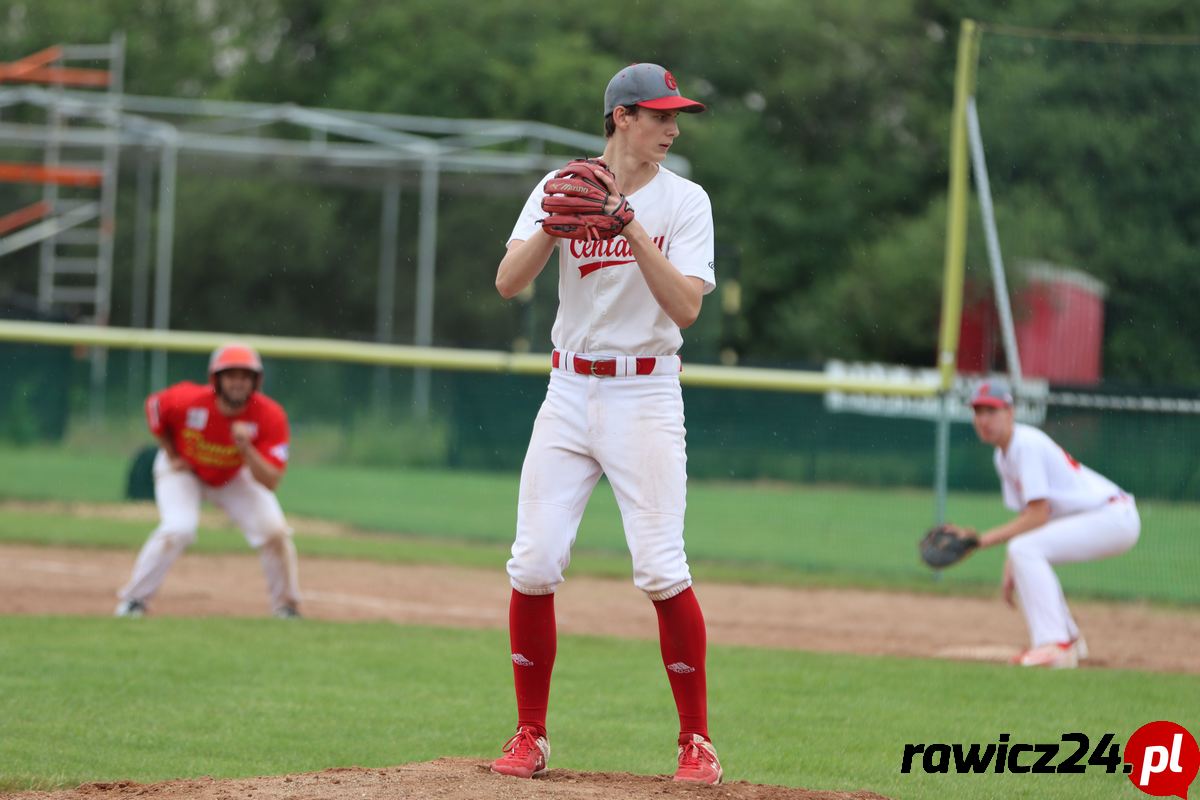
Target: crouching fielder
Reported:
[(1065, 513), (227, 442)]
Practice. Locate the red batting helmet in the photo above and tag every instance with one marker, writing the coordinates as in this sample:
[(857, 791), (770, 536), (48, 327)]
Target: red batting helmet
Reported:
[(235, 356)]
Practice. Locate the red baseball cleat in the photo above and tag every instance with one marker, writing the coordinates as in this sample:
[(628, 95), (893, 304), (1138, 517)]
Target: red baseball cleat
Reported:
[(525, 755), (698, 761)]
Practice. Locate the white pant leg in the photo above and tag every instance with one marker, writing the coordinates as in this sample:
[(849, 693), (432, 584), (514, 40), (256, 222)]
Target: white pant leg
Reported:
[(255, 509), (177, 494), (557, 479), (1108, 531), (639, 441)]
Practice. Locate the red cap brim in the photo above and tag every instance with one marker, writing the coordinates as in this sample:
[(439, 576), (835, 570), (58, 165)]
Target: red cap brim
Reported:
[(673, 103), (991, 402)]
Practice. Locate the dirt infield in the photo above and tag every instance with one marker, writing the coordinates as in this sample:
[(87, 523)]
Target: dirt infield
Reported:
[(56, 580)]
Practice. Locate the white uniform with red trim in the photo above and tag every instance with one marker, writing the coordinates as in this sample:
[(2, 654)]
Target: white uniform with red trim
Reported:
[(607, 411), (1090, 518)]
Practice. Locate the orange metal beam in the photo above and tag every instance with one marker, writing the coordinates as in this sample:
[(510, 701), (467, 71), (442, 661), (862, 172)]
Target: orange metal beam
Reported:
[(37, 173), (30, 62), (22, 217), (67, 76), (35, 68)]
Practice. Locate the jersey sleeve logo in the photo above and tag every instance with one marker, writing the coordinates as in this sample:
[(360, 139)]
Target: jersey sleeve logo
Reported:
[(197, 418), (280, 452)]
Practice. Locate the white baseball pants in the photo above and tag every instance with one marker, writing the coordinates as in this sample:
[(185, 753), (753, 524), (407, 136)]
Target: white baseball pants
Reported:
[(251, 506), (630, 429), (1107, 531)]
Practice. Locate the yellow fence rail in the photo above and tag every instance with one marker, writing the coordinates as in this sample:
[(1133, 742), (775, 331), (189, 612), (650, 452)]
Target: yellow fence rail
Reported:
[(443, 358)]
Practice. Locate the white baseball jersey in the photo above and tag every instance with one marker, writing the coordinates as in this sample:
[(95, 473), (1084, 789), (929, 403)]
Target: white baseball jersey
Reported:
[(604, 304), (1035, 468), (627, 428), (1090, 518)]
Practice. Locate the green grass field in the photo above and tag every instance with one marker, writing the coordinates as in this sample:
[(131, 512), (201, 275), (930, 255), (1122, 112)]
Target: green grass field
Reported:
[(772, 533), (101, 699), (154, 699)]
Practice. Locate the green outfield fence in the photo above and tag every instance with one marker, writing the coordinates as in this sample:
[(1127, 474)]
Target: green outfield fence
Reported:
[(481, 421)]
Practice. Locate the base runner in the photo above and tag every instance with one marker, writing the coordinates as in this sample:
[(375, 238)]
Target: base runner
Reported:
[(226, 442)]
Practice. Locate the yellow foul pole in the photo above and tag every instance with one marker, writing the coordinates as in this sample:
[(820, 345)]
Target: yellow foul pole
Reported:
[(956, 222)]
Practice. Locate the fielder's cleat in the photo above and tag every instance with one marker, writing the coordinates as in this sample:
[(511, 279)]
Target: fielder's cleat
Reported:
[(698, 760), (130, 608), (1056, 655), (287, 612), (525, 754)]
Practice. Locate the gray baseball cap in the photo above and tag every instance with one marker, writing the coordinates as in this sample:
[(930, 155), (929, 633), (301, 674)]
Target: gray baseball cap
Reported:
[(994, 393), (647, 85)]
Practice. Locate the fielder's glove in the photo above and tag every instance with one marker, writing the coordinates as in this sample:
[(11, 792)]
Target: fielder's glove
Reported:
[(582, 202), (946, 545)]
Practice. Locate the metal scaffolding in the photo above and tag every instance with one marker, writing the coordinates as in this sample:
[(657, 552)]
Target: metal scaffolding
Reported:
[(74, 222), (367, 149)]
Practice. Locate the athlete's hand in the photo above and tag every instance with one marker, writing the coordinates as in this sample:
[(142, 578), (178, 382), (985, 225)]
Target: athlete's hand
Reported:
[(243, 434), (615, 198), (177, 463), (1008, 585)]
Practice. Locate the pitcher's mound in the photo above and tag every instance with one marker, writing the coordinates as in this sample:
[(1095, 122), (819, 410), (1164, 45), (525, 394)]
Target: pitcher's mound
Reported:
[(444, 779)]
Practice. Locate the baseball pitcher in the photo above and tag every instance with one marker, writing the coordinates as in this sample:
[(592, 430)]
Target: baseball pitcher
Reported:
[(635, 255)]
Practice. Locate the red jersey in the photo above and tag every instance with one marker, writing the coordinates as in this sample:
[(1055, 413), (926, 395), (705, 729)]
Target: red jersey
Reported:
[(186, 414)]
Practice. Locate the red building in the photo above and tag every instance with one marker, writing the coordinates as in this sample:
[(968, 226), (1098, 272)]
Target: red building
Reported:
[(1058, 316)]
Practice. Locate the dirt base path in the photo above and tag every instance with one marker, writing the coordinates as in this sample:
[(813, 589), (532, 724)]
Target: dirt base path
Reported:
[(55, 580)]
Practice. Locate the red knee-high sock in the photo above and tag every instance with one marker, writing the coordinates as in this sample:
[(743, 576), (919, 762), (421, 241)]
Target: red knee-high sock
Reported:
[(682, 638), (534, 638)]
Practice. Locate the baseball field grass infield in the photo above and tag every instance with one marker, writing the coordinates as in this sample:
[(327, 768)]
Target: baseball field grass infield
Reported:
[(104, 699), (738, 532)]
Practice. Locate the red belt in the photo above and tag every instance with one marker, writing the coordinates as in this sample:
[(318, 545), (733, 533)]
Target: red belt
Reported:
[(602, 367)]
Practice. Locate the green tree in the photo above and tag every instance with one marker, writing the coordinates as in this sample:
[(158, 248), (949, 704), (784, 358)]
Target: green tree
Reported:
[(824, 152)]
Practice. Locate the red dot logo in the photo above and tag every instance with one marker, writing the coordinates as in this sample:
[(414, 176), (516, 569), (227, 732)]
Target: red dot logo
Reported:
[(670, 81), (1163, 759)]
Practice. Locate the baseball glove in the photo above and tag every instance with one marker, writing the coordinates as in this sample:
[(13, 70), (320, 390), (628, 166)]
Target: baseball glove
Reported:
[(946, 545), (582, 202)]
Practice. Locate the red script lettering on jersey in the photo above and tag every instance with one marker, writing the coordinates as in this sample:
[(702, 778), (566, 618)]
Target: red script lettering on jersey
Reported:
[(611, 252)]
